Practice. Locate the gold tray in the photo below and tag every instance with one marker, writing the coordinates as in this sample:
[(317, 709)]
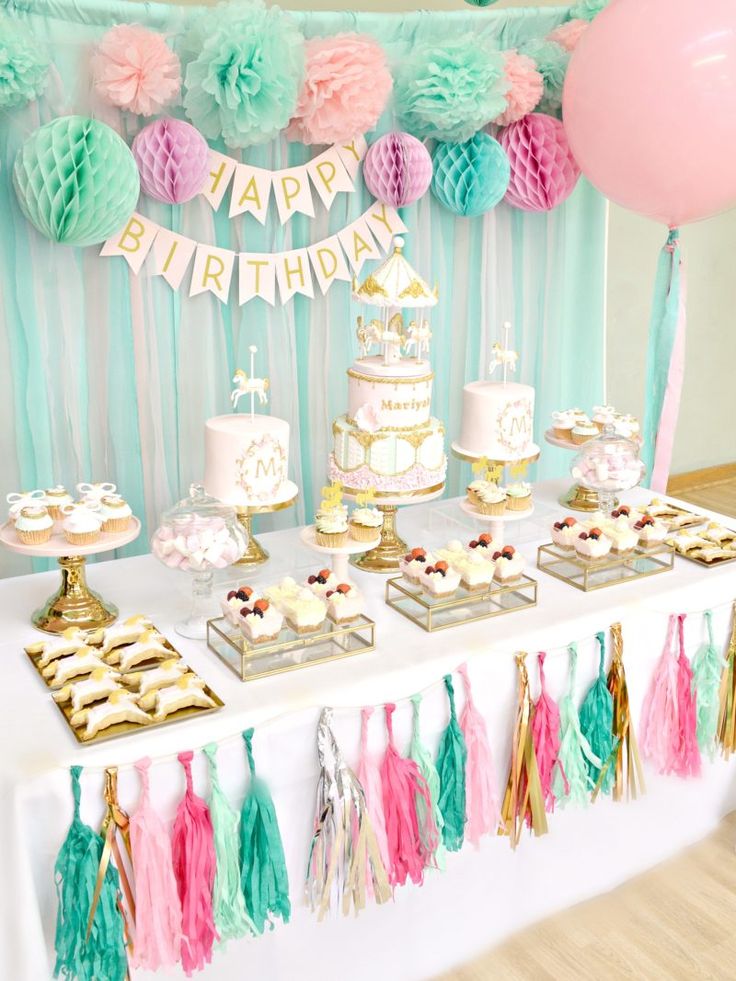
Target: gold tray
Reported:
[(614, 569), (291, 650), (705, 563), (694, 519), (463, 606)]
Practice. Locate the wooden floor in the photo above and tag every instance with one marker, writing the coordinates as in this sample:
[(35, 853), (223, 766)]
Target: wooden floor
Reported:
[(716, 497), (675, 923)]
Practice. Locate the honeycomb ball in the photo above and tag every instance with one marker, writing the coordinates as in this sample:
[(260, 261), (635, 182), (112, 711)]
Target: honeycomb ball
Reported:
[(76, 181), (397, 169), (543, 170), (470, 177), (172, 158)]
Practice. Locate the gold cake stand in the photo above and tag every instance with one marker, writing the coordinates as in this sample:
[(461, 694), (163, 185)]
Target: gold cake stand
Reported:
[(74, 604), (255, 554)]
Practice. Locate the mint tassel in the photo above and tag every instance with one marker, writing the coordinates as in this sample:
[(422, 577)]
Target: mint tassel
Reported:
[(451, 760), (707, 668), (102, 956), (423, 759), (228, 902), (263, 877), (596, 724), (571, 782)]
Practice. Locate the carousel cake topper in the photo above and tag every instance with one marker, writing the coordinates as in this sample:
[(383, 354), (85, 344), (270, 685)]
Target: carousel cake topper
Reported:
[(503, 355), (487, 470), (249, 386), (393, 286), (331, 496), (365, 498)]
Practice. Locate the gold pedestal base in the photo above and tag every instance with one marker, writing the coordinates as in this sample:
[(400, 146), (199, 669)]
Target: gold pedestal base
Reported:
[(74, 604), (255, 553), (582, 499), (384, 558)]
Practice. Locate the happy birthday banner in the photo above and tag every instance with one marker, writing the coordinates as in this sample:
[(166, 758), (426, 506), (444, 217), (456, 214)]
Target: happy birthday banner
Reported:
[(341, 256)]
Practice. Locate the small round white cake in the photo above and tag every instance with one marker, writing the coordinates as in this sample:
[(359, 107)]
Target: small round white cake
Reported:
[(497, 421), (247, 460)]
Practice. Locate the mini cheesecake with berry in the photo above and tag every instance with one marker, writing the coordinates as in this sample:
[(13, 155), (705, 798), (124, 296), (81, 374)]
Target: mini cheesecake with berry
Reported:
[(593, 545), (344, 603), (440, 580), (234, 600), (260, 622), (509, 565), (565, 532), (651, 532), (413, 564), (483, 544), (322, 582), (474, 567)]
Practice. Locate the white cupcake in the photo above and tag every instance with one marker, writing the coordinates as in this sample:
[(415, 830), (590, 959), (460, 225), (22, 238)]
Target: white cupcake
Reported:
[(491, 498), (562, 423), (93, 493), (365, 524), (604, 415), (331, 527), (34, 525), (115, 513), (583, 431), (519, 496), (23, 499), (55, 498), (81, 524)]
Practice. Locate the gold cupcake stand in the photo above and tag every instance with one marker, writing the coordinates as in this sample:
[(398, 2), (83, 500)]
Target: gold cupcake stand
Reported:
[(74, 604), (255, 554)]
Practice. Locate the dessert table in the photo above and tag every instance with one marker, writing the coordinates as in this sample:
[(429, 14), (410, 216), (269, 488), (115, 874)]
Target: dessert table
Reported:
[(483, 895)]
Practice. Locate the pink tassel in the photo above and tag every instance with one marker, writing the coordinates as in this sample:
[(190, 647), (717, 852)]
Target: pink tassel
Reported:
[(158, 911), (193, 850), (668, 715), (482, 806), (369, 777), (409, 848), (546, 736)]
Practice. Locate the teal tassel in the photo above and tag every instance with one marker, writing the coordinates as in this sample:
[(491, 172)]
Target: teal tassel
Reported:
[(596, 724), (707, 668), (451, 759), (102, 957), (228, 902), (263, 878), (423, 759), (571, 782)]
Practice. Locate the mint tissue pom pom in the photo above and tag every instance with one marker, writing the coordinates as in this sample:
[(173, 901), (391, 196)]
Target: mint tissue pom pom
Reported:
[(244, 73), (24, 64), (76, 181), (450, 89), (470, 177), (551, 60)]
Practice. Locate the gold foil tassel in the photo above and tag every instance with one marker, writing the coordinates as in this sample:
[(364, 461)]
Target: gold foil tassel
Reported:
[(523, 799), (629, 776), (727, 710)]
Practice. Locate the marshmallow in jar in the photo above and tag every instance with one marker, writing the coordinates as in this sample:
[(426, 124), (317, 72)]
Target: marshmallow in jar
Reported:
[(609, 463), (199, 534)]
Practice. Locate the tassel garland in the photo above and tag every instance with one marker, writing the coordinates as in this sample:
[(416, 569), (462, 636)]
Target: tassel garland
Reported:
[(423, 759), (727, 701), (99, 953), (708, 667), (369, 777), (481, 796), (572, 783), (158, 910), (193, 853), (264, 879), (688, 754), (344, 856), (546, 736), (411, 832), (523, 799), (627, 768), (596, 724), (228, 902), (451, 760)]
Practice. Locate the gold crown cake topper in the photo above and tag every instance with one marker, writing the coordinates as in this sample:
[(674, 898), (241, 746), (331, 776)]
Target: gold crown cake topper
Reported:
[(249, 386), (503, 356)]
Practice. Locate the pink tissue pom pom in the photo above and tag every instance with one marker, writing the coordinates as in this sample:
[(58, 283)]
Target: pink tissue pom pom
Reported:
[(345, 91), (526, 87), (543, 170), (568, 34), (134, 68)]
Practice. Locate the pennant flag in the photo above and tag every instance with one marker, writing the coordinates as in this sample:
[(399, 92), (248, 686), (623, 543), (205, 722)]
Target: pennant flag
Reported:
[(351, 153), (384, 222), (221, 170), (328, 262), (213, 270), (292, 272), (329, 176), (293, 193), (256, 277), (251, 192), (134, 242), (358, 243), (172, 254)]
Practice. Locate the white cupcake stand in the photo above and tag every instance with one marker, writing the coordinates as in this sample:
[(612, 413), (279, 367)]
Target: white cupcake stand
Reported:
[(74, 604), (339, 556)]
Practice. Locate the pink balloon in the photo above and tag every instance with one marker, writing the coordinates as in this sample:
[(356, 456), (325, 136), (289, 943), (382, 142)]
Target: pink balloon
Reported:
[(649, 106)]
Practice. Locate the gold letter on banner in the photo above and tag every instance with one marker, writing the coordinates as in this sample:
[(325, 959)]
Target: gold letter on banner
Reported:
[(384, 222), (328, 262), (256, 277), (171, 255), (352, 153), (133, 243), (292, 272), (292, 193), (221, 170), (213, 270), (358, 243), (329, 176), (251, 191)]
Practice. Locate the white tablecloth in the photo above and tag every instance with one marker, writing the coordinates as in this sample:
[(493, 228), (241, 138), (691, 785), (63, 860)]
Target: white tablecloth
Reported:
[(484, 894)]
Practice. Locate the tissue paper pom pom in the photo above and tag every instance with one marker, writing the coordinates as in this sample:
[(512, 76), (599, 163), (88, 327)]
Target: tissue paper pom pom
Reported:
[(451, 89), (587, 9), (23, 64), (526, 87), (551, 60), (543, 169), (397, 169), (76, 180), (346, 89), (470, 177), (246, 72), (172, 160), (568, 34), (134, 68)]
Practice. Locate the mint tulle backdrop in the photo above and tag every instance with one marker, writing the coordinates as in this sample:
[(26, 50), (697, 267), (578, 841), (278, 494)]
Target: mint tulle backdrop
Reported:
[(105, 375)]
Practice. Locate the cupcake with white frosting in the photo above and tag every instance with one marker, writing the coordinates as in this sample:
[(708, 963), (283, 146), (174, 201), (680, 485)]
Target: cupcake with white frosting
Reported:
[(519, 496), (491, 498), (603, 415), (583, 430), (81, 524), (562, 423), (18, 500), (55, 498), (115, 513), (365, 524), (331, 527), (93, 493), (34, 525)]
